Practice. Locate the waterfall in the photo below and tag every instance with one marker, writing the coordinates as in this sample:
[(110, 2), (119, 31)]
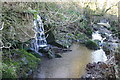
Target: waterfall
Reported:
[(99, 55), (39, 40), (96, 36)]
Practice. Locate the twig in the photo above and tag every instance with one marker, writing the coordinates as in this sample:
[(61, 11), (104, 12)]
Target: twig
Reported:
[(2, 26)]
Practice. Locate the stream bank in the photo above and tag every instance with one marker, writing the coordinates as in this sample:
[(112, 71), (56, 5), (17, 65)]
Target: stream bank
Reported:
[(68, 25), (109, 44), (73, 64)]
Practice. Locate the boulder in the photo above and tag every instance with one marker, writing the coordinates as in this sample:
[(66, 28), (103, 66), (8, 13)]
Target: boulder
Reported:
[(104, 24), (99, 70), (91, 45)]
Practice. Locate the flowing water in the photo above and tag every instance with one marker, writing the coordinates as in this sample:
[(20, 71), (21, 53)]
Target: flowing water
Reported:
[(96, 36), (71, 65), (39, 40), (98, 55)]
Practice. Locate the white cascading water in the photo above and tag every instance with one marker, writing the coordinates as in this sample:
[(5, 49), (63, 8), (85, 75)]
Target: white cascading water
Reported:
[(39, 39), (98, 55), (96, 36)]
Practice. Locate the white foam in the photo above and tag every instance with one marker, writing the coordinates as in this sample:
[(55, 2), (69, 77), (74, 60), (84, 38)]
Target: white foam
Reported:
[(99, 55), (96, 36)]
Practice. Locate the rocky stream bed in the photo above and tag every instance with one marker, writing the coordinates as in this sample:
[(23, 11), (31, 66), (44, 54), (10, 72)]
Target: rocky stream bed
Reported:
[(104, 70), (59, 40), (99, 64)]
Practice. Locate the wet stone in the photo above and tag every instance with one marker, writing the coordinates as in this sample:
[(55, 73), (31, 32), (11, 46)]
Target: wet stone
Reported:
[(99, 70)]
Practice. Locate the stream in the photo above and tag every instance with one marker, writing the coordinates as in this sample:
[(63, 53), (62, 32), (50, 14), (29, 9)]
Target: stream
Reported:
[(72, 64), (98, 55)]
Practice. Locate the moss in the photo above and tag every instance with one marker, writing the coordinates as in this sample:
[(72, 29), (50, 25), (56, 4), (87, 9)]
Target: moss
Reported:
[(91, 45), (88, 32), (23, 62), (8, 71), (27, 59)]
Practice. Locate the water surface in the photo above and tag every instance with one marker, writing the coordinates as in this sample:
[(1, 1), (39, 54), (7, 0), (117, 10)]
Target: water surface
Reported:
[(72, 65)]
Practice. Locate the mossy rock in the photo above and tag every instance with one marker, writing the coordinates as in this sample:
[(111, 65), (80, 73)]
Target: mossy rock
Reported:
[(80, 37), (24, 64), (91, 45), (8, 71)]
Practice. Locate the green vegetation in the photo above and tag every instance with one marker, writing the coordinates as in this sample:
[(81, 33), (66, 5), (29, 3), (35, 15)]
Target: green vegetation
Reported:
[(19, 64), (69, 23), (8, 71), (91, 44)]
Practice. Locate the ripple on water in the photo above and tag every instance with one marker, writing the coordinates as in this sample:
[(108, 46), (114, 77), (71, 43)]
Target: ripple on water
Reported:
[(71, 65)]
